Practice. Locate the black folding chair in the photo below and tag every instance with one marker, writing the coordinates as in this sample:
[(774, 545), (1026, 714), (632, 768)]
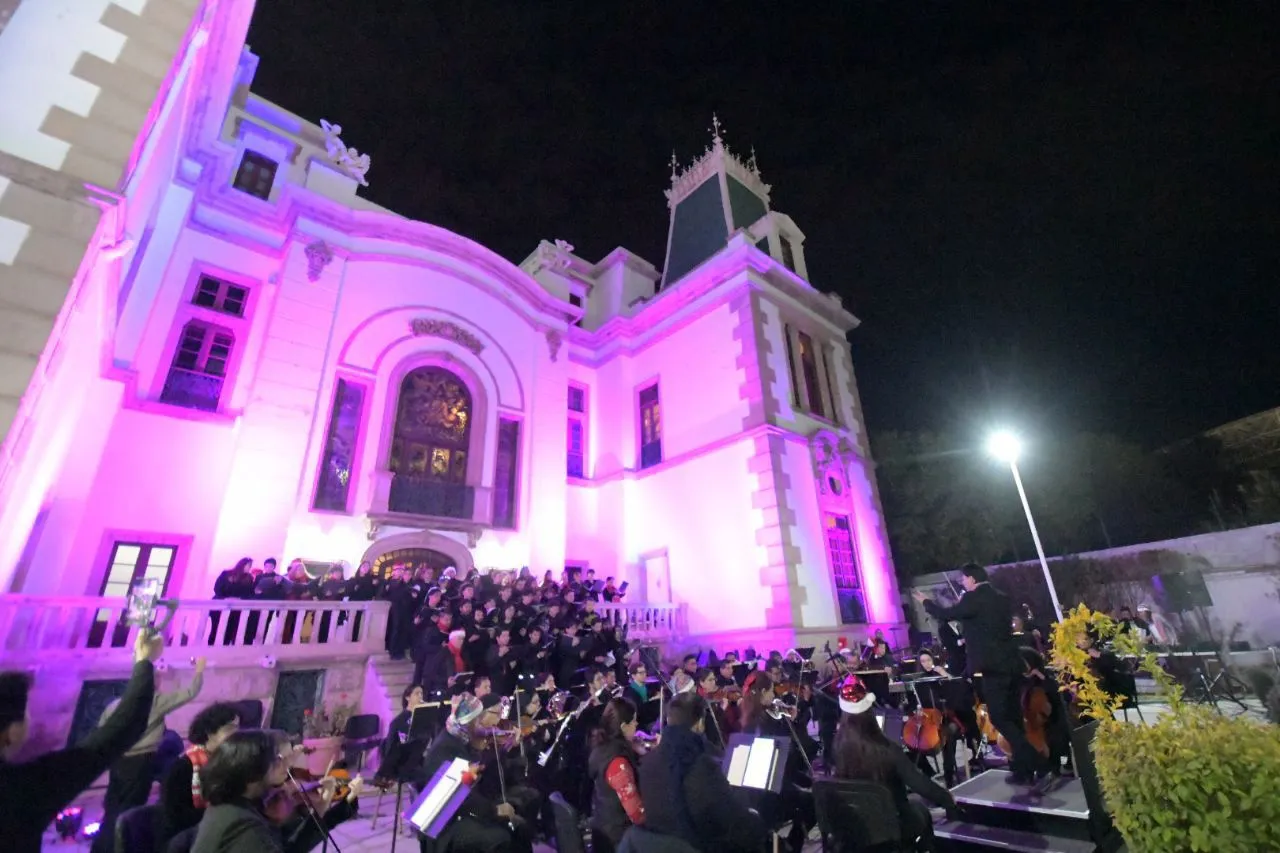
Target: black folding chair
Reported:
[(362, 735), (857, 816), (568, 836)]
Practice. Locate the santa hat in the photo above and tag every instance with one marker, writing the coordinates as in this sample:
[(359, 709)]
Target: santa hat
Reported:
[(854, 696)]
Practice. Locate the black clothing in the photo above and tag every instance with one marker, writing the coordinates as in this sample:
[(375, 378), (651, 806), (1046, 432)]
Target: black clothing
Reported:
[(33, 793), (987, 616), (903, 776), (128, 786), (236, 828), (608, 817), (477, 826), (691, 799), (178, 810)]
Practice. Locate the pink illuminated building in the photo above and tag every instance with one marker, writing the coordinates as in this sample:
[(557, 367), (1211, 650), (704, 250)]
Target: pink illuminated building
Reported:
[(254, 360)]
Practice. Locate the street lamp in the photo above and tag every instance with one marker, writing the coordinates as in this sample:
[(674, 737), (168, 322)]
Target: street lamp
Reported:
[(1006, 447)]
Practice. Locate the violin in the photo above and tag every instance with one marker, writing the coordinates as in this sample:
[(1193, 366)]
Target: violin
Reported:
[(730, 693), (528, 725)]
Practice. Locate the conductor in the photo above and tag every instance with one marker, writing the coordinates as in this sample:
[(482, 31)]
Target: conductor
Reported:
[(987, 616)]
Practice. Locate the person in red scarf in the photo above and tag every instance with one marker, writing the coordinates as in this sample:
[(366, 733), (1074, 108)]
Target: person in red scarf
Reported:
[(182, 801)]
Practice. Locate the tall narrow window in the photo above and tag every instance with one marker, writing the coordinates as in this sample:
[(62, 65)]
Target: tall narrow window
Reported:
[(221, 296), (791, 368), (650, 427), (255, 175), (788, 258), (199, 367), (577, 432), (506, 474), (336, 466), (844, 569), (828, 370), (809, 367), (129, 562)]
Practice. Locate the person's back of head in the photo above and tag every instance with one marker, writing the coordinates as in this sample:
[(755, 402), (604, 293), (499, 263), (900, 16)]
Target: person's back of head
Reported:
[(861, 749), (15, 689), (686, 710)]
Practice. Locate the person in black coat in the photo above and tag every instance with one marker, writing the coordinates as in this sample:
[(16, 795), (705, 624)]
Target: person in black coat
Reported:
[(615, 791), (685, 793), (32, 794), (987, 617)]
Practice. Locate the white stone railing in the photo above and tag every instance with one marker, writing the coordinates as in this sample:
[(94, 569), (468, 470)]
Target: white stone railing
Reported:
[(39, 627), (649, 621)]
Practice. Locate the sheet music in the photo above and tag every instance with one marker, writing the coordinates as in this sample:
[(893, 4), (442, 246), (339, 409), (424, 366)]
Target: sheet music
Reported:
[(760, 764), (440, 794), (880, 720), (738, 765)]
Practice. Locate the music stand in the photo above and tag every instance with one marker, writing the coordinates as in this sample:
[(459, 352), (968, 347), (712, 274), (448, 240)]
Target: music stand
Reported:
[(440, 799), (756, 762)]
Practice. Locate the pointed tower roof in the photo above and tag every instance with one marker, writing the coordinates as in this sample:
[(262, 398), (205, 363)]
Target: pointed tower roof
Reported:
[(709, 200)]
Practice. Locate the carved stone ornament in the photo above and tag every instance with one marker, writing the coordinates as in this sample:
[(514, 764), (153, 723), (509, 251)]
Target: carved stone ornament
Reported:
[(555, 256), (554, 339), (715, 157), (832, 456), (425, 327), (349, 160), (473, 538), (319, 256)]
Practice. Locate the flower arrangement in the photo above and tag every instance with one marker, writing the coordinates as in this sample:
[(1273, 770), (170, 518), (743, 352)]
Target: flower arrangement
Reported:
[(1191, 781), (322, 723)]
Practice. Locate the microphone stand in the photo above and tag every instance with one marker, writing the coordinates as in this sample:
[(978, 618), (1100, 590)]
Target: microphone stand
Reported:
[(314, 815)]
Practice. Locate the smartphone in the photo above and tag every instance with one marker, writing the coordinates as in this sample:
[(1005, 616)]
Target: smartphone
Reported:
[(140, 609)]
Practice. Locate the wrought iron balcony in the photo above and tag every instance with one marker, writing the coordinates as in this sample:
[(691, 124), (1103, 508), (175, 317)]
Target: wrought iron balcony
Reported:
[(192, 390), (416, 494)]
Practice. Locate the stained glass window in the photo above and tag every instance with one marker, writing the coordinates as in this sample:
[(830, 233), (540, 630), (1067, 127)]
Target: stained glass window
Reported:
[(844, 567), (433, 426), (506, 474), (334, 484)]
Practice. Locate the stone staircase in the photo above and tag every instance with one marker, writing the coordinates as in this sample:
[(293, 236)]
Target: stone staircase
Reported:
[(388, 679)]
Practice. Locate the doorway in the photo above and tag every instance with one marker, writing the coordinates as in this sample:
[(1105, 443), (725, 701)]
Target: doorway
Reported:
[(412, 558)]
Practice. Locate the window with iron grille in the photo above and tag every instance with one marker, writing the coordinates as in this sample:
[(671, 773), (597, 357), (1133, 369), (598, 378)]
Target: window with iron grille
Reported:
[(199, 367), (256, 175), (221, 296), (844, 568), (650, 427)]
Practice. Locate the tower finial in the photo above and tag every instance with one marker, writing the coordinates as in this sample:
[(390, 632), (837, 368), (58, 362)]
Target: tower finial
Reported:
[(675, 166), (751, 163), (716, 139)]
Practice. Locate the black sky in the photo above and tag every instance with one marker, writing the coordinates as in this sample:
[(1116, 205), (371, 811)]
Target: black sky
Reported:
[(1060, 214)]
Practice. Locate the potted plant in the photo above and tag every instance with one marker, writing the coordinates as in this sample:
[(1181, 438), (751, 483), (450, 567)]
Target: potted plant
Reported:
[(1193, 780), (322, 733)]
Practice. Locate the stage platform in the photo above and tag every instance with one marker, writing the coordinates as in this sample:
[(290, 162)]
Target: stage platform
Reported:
[(1000, 816)]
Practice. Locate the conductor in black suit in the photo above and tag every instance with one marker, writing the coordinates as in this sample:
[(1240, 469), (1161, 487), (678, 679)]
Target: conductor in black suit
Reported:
[(987, 616)]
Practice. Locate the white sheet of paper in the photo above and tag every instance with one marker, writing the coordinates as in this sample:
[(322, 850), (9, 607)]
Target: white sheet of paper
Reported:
[(759, 764), (738, 764), (880, 720), (440, 794)]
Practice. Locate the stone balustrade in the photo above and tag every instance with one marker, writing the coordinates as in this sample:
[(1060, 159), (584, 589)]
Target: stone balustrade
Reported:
[(39, 628)]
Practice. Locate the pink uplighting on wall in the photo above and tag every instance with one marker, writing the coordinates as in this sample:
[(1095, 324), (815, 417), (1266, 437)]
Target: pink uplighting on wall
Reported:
[(220, 441)]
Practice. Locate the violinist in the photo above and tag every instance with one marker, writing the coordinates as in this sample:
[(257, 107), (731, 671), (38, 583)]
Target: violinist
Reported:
[(763, 715), (723, 716), (251, 809), (182, 801), (612, 766), (878, 655), (480, 824)]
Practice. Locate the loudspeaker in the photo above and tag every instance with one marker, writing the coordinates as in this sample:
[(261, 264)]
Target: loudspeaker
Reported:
[(1184, 590)]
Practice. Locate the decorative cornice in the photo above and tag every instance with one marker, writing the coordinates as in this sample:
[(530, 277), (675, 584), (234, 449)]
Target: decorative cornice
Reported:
[(425, 327), (319, 256), (716, 158)]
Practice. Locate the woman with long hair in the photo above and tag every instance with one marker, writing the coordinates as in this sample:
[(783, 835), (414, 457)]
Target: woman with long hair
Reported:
[(241, 783), (763, 715), (863, 752), (615, 794)]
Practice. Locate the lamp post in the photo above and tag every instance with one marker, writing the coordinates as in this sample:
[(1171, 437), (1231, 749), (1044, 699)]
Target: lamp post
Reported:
[(1006, 447)]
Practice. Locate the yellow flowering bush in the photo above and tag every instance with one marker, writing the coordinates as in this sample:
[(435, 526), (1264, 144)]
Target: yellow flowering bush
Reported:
[(1192, 781)]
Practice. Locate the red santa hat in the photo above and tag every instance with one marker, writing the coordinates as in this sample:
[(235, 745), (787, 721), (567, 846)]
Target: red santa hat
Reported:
[(854, 696)]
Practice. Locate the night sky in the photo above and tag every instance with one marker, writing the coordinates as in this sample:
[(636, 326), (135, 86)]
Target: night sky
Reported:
[(1059, 215)]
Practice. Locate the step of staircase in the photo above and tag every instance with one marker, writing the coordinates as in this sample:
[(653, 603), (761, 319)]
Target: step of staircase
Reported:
[(963, 837), (393, 677), (1003, 816)]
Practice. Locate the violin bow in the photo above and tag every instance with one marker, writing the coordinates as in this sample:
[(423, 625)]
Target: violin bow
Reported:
[(502, 781)]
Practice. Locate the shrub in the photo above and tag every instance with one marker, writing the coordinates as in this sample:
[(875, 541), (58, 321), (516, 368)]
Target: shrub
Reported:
[(1194, 781)]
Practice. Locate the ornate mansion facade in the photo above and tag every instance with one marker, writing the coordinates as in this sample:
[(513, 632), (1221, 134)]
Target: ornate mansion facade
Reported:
[(215, 347)]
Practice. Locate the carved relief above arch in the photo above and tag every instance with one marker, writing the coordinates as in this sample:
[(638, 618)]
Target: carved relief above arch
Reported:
[(832, 456), (425, 540)]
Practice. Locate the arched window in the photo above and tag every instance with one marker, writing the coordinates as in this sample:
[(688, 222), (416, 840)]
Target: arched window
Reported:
[(433, 426)]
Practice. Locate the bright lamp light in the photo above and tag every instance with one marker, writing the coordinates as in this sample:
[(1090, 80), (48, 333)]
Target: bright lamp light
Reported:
[(1005, 446)]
